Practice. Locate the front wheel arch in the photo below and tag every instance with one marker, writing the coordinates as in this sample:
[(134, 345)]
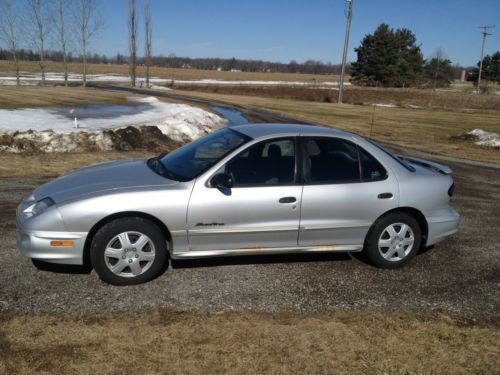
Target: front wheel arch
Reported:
[(120, 215)]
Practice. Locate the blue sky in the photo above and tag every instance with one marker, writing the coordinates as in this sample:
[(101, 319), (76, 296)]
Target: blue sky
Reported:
[(282, 30)]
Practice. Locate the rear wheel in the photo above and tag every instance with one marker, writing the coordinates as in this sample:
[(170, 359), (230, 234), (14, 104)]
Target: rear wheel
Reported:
[(393, 240), (129, 251)]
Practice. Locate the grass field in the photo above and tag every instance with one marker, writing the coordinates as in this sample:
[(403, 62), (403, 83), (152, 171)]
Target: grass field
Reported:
[(54, 164), (426, 130), (446, 99), (170, 73), (12, 97), (341, 342), (36, 96)]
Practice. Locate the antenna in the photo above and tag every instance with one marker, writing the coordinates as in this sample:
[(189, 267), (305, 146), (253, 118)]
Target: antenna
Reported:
[(485, 34)]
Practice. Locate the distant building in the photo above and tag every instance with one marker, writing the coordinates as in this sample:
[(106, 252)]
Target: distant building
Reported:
[(463, 75)]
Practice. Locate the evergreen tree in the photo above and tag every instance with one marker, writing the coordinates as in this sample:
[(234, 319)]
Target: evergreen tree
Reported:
[(491, 69), (388, 58)]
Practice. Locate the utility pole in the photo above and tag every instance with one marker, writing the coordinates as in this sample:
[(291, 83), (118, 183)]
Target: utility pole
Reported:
[(485, 34), (346, 47)]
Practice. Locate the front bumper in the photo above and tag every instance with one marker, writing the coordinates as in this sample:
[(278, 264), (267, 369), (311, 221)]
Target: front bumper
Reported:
[(36, 244), (442, 224)]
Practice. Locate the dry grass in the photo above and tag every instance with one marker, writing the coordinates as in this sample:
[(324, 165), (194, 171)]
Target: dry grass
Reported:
[(170, 73), (446, 99), (342, 342), (35, 96), (426, 130), (55, 164)]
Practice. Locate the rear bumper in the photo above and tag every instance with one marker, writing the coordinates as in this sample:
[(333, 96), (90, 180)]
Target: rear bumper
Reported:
[(442, 224), (37, 245)]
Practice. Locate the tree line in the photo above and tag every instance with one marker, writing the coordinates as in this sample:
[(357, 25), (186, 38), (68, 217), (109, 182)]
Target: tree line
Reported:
[(172, 61)]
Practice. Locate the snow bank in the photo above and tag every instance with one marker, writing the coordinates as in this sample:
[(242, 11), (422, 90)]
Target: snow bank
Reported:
[(178, 121), (156, 124), (488, 139)]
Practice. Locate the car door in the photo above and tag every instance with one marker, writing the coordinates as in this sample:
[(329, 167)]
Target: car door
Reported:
[(345, 190), (260, 211)]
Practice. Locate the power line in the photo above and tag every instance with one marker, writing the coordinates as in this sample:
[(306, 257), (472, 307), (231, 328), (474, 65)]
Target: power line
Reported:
[(346, 47), (485, 34)]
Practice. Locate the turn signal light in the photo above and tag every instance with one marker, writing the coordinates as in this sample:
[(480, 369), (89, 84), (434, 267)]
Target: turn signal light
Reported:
[(61, 243)]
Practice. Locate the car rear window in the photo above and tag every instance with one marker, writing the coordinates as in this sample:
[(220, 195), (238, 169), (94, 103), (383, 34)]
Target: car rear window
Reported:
[(406, 165)]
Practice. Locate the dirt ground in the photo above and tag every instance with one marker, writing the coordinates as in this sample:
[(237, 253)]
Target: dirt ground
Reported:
[(314, 313), (460, 275)]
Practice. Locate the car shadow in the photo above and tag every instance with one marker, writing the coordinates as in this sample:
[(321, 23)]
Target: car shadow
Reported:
[(259, 259), (61, 268)]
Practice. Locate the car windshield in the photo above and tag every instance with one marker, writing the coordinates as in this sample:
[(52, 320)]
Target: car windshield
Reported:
[(193, 159)]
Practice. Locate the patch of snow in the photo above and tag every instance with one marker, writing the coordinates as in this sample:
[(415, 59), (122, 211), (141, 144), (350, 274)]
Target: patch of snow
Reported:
[(488, 139), (156, 87), (178, 121), (385, 105), (33, 78)]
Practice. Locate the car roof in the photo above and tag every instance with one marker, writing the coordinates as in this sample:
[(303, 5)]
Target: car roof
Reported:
[(264, 130)]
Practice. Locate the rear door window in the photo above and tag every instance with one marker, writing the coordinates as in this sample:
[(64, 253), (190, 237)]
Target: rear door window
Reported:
[(331, 160)]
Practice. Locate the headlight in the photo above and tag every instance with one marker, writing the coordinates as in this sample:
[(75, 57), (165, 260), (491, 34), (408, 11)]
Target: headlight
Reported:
[(38, 207)]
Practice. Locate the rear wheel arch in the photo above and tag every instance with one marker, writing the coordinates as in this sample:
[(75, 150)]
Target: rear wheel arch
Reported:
[(413, 212), (120, 215)]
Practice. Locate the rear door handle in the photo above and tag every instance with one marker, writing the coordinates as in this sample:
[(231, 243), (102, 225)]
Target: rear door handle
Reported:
[(288, 200), (385, 196)]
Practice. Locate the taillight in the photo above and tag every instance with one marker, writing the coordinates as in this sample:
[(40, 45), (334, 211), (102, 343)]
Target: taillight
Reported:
[(451, 190)]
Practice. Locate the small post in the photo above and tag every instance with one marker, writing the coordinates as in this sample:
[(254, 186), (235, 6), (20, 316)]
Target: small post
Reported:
[(76, 122)]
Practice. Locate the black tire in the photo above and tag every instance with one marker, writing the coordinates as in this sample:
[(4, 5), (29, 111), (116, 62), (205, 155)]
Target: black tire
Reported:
[(129, 224), (371, 248)]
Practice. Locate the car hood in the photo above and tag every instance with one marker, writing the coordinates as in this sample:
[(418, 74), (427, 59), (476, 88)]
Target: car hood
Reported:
[(117, 175)]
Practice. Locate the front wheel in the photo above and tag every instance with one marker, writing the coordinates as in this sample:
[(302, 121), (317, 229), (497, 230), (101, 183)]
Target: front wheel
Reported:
[(393, 240), (129, 251)]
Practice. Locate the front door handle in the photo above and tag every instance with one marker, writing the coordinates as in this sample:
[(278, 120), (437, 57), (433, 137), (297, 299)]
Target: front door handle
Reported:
[(385, 196), (288, 200)]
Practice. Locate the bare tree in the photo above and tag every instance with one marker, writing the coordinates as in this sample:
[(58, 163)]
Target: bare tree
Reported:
[(39, 17), (148, 30), (9, 32), (439, 56), (87, 23), (132, 41), (62, 35)]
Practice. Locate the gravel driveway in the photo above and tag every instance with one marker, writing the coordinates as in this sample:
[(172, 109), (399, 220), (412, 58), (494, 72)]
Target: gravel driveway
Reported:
[(460, 275)]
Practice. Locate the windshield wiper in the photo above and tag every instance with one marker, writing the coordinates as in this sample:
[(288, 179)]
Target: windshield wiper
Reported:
[(158, 167)]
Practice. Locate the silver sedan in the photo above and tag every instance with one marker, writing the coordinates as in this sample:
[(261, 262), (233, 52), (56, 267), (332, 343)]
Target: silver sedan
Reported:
[(245, 190)]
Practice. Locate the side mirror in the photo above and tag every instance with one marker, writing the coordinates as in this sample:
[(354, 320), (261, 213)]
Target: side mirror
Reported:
[(222, 181)]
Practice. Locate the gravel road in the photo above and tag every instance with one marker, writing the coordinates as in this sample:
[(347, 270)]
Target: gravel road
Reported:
[(460, 275)]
